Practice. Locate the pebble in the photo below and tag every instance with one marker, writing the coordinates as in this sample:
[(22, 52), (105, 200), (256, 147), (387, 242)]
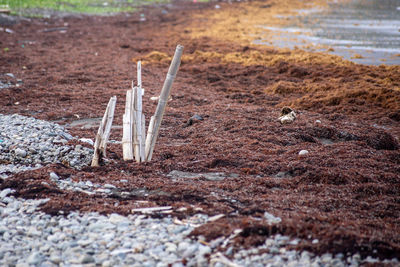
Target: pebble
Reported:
[(271, 219), (5, 193), (303, 152), (24, 137), (20, 152)]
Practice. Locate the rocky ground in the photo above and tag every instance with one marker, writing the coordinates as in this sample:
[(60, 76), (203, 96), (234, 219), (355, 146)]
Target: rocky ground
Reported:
[(229, 177)]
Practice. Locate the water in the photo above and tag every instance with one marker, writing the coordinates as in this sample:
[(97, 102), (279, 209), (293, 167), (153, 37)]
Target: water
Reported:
[(364, 31)]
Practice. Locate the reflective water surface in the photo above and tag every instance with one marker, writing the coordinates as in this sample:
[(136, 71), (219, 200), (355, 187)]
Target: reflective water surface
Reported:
[(364, 31)]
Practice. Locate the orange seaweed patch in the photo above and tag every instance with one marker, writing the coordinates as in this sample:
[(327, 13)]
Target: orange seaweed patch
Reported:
[(249, 58), (316, 84)]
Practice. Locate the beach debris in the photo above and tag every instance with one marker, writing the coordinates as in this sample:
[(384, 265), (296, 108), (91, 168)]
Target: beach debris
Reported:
[(235, 233), (166, 209), (271, 218), (104, 132), (210, 176), (192, 120), (155, 98), (56, 29), (87, 140), (220, 258), (7, 30), (287, 115), (215, 217), (303, 152)]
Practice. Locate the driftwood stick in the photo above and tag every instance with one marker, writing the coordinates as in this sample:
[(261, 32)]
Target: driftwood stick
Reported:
[(98, 153), (138, 121), (107, 129), (138, 117), (149, 136), (135, 121), (127, 134), (143, 142), (139, 74), (162, 101)]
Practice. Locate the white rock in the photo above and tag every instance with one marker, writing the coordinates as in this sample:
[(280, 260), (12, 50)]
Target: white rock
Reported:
[(303, 152), (55, 258), (288, 118), (87, 140), (271, 218), (5, 192), (203, 250), (54, 176), (84, 242), (116, 218), (34, 258), (20, 152), (109, 186)]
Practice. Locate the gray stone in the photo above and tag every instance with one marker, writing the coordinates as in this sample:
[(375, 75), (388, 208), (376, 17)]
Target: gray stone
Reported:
[(5, 192), (54, 176), (20, 152), (211, 176), (203, 250), (84, 259), (35, 258), (55, 258), (190, 250), (271, 219)]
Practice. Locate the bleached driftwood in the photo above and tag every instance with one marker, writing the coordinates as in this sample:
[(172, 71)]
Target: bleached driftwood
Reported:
[(153, 209), (107, 129), (127, 131), (220, 258), (139, 120), (134, 132), (138, 139), (103, 132), (143, 143), (139, 74), (148, 137), (152, 133)]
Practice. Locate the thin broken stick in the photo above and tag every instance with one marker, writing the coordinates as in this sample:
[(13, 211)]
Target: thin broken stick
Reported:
[(103, 132)]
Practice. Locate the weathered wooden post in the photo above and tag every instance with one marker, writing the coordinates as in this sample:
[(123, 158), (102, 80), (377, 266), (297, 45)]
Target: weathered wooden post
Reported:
[(103, 132), (138, 138), (134, 122), (155, 121), (127, 130)]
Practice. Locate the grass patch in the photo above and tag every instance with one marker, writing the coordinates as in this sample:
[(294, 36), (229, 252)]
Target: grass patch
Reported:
[(28, 7)]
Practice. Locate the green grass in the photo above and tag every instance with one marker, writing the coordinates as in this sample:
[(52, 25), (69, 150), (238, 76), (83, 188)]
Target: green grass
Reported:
[(28, 7)]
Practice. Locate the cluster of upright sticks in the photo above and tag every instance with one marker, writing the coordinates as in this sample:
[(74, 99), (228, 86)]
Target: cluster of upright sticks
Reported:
[(135, 143)]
